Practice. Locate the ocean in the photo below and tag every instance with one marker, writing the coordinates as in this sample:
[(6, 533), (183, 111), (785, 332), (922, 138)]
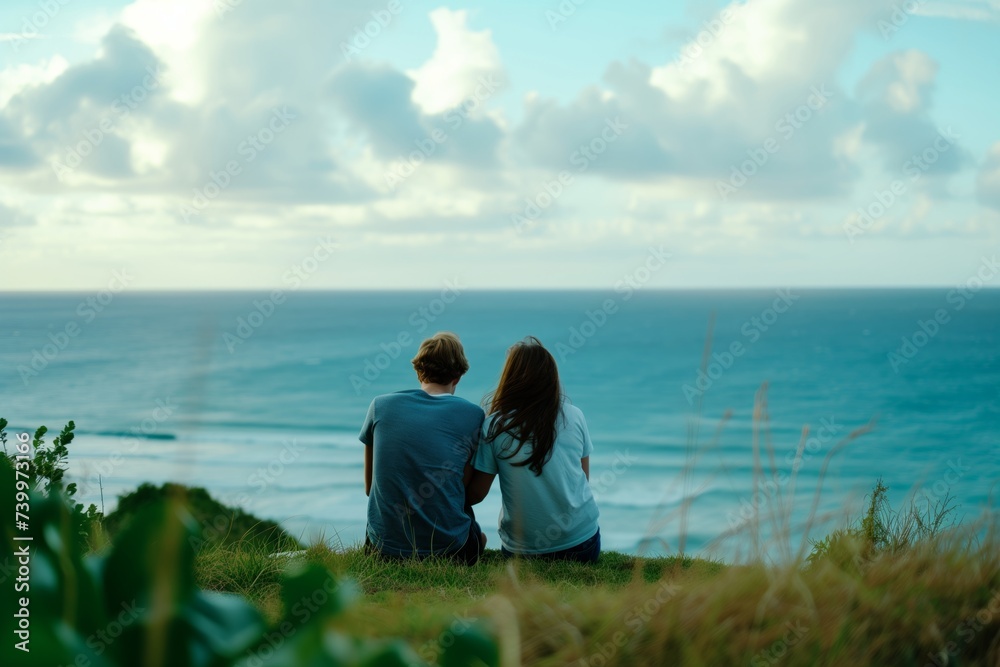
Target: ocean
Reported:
[(260, 399)]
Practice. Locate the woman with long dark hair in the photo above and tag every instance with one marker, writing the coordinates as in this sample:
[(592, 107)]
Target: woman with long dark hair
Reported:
[(539, 445)]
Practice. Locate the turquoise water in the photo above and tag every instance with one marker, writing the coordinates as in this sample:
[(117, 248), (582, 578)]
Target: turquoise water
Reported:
[(261, 402)]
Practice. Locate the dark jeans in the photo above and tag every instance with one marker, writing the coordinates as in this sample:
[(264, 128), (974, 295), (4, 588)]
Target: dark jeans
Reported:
[(469, 553), (585, 552)]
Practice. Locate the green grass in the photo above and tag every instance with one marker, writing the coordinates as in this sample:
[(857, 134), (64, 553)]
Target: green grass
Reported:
[(891, 608), (253, 572), (901, 587)]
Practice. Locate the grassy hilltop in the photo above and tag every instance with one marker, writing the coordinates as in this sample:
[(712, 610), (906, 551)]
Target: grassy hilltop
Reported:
[(935, 603), (205, 584)]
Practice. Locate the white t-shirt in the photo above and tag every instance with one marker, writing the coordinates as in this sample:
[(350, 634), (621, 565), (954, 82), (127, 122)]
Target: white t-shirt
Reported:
[(552, 511)]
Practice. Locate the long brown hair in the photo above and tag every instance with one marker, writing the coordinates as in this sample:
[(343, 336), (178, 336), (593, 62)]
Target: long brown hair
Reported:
[(527, 401)]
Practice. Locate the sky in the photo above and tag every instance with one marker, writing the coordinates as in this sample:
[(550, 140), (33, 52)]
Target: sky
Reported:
[(397, 144)]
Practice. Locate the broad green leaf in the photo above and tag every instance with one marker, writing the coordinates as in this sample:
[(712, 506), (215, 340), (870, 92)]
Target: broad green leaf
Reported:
[(311, 592), (227, 625), (472, 648)]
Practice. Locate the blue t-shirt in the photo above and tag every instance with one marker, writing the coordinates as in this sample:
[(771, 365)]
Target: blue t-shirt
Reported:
[(421, 444), (552, 511)]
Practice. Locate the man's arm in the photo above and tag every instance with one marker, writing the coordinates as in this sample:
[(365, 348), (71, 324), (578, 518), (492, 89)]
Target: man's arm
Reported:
[(478, 487), (585, 463), (368, 470), (367, 436)]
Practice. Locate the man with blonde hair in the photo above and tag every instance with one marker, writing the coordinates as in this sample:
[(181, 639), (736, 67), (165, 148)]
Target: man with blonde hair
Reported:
[(418, 447)]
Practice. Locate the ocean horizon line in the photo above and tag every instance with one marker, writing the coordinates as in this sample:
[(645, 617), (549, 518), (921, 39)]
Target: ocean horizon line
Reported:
[(506, 290)]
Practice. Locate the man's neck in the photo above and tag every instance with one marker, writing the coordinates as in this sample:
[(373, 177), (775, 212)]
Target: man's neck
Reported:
[(435, 389)]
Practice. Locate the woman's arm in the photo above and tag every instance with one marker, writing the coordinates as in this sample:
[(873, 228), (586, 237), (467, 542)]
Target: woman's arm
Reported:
[(368, 470), (478, 487), (585, 464)]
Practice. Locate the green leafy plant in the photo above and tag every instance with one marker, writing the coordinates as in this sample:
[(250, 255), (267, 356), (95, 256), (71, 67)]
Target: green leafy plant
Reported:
[(49, 463), (139, 603), (883, 530)]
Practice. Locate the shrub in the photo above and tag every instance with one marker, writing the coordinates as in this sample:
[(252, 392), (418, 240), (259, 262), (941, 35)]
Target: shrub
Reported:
[(219, 524), (883, 530)]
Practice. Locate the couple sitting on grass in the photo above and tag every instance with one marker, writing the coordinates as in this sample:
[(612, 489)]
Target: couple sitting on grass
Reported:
[(430, 456)]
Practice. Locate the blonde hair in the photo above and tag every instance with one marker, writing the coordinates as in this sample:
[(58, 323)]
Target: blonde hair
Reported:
[(440, 359)]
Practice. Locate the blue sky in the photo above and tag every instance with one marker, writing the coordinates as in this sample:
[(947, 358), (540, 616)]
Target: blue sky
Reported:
[(213, 144)]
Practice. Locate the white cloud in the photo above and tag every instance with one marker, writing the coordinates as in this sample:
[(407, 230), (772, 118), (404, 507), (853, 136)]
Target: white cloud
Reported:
[(172, 29), (148, 152), (747, 38), (17, 78), (766, 74), (966, 10), (773, 43), (460, 61), (904, 81), (897, 95), (687, 123), (988, 183), (849, 143)]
